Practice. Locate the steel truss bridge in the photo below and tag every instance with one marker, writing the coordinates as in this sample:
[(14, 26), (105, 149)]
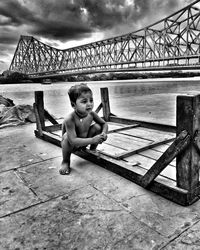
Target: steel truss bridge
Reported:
[(171, 43)]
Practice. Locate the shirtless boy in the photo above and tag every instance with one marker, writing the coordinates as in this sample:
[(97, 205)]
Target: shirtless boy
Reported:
[(82, 127)]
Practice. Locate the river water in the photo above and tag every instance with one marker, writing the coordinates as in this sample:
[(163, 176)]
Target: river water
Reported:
[(149, 100)]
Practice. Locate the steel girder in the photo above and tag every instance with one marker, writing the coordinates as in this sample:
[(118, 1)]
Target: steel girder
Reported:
[(174, 40)]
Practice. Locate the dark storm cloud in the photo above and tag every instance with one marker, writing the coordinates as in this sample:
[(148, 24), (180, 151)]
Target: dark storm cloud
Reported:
[(76, 19), (59, 30), (65, 20), (15, 13)]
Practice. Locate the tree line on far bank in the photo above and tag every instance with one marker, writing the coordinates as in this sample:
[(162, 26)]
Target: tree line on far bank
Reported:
[(16, 77)]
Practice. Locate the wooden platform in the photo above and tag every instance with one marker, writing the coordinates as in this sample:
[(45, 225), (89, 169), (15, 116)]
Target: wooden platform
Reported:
[(146, 153)]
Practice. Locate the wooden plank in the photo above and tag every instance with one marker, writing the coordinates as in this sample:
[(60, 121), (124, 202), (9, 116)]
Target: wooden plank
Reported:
[(146, 163), (127, 142), (181, 142), (110, 150), (38, 123), (134, 151), (155, 155), (53, 128), (49, 117), (112, 125), (156, 126), (39, 101), (188, 118), (123, 128), (105, 103), (54, 139), (162, 148), (58, 133), (98, 108), (149, 134)]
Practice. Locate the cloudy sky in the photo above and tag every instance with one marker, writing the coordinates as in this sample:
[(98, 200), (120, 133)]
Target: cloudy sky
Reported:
[(66, 23)]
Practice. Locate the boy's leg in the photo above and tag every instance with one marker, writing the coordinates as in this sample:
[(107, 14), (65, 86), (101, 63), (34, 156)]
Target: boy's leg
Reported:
[(67, 149), (95, 129)]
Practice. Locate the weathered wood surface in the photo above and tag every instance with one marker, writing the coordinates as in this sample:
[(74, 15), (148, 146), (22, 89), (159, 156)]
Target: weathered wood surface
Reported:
[(149, 134), (137, 139), (105, 103), (162, 148), (98, 108), (50, 117), (181, 142), (39, 101), (155, 155), (141, 149), (188, 164), (54, 128), (123, 128), (151, 125), (146, 163), (38, 123)]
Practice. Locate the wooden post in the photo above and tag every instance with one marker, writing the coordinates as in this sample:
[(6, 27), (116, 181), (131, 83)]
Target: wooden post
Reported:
[(38, 123), (180, 143), (39, 101), (105, 103), (188, 162)]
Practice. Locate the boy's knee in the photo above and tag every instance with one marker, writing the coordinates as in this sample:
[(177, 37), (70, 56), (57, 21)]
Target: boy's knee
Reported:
[(64, 138), (97, 128), (94, 130)]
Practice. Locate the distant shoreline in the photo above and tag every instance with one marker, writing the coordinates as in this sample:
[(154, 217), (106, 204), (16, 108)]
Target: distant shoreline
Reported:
[(178, 79)]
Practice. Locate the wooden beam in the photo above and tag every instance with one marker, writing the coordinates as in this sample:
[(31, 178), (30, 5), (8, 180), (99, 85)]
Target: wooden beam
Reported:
[(181, 142), (132, 152), (105, 103), (53, 128), (188, 163), (196, 141), (49, 117), (54, 139), (123, 128), (98, 108), (38, 123), (39, 101), (156, 126)]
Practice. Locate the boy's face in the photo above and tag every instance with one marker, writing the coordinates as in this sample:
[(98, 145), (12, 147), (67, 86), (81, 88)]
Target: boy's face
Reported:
[(84, 104)]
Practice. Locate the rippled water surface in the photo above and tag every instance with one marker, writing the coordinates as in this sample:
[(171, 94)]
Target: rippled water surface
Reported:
[(150, 100)]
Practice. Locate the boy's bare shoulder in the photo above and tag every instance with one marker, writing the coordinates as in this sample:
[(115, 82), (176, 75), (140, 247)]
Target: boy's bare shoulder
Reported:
[(69, 118)]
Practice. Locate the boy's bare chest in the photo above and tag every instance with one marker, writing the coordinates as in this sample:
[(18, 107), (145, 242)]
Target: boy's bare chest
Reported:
[(83, 125)]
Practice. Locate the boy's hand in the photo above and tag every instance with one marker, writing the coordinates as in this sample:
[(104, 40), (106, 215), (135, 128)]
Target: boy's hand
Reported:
[(104, 136), (98, 139)]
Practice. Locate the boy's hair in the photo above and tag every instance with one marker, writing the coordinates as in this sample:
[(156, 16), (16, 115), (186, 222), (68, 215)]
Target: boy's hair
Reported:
[(76, 90)]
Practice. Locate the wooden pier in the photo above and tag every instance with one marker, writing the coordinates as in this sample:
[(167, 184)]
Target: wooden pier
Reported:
[(161, 158)]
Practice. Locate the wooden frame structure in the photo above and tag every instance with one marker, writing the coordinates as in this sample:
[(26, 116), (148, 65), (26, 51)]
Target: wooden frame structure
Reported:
[(184, 146)]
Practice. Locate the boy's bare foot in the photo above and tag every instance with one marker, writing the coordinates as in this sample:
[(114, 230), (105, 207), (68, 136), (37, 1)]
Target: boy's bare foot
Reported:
[(65, 168)]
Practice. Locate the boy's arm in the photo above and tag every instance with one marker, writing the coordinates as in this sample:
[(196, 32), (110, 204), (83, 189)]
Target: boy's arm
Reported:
[(101, 122), (77, 141)]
